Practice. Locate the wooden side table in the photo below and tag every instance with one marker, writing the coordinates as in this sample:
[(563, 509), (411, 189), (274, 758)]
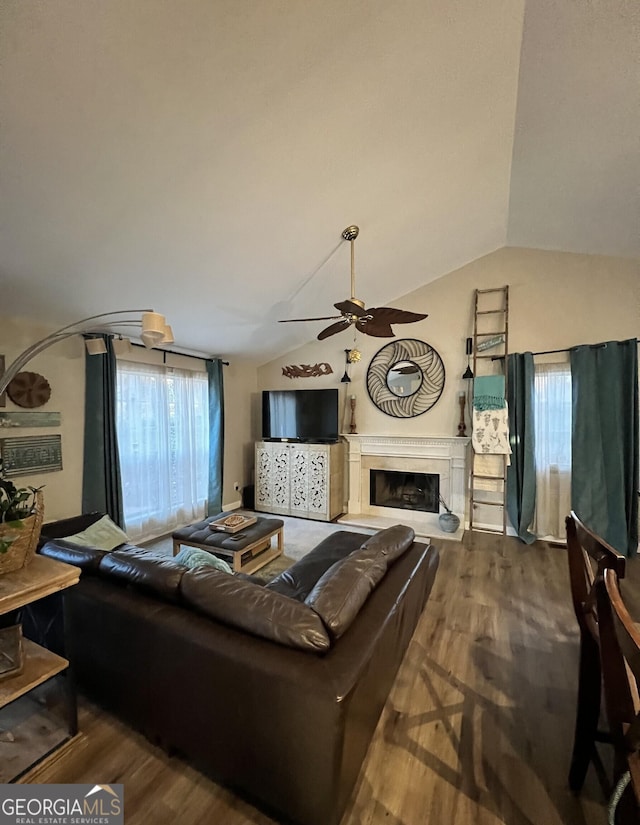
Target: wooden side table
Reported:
[(42, 577)]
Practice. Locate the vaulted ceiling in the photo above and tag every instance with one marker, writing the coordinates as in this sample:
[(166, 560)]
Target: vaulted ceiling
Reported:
[(202, 157)]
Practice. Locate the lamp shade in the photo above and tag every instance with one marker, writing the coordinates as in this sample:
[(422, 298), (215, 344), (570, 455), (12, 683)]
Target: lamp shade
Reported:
[(153, 327), (168, 338), (149, 339), (95, 346), (121, 346)]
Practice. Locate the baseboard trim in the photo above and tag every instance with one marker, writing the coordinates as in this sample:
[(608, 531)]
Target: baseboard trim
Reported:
[(234, 505)]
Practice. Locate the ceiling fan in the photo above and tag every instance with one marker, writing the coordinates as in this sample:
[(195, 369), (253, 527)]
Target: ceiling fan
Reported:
[(375, 321)]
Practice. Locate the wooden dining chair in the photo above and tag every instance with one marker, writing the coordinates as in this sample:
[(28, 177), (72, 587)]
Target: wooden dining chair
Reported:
[(620, 657), (588, 556)]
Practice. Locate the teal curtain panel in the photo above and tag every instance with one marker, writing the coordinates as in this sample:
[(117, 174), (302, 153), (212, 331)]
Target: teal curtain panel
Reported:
[(216, 436), (604, 445), (521, 474), (101, 482)]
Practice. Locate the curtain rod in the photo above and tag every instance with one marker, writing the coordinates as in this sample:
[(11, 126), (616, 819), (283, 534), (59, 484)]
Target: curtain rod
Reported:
[(554, 351), (183, 354)]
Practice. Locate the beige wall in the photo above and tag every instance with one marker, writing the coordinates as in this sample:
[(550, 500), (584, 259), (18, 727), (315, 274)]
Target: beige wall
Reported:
[(556, 300), (240, 427), (63, 367)]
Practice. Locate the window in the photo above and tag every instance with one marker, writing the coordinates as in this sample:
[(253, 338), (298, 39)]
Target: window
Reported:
[(163, 439), (552, 416)]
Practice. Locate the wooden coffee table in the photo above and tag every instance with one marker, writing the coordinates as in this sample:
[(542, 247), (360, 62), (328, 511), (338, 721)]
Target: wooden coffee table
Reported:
[(246, 551)]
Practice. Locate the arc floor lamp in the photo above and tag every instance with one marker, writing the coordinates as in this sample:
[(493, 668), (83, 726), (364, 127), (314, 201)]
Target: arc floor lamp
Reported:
[(154, 332)]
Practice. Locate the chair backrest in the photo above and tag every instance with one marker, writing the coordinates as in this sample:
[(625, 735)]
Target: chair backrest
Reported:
[(620, 659), (588, 556), (620, 654)]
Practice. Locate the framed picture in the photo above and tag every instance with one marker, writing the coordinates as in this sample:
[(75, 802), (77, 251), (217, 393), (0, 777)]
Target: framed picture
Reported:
[(31, 454)]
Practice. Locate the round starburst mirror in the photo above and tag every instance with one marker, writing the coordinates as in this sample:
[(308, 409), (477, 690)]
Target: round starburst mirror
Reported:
[(405, 378)]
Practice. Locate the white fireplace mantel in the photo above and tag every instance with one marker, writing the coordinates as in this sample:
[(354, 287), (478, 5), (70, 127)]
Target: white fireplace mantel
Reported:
[(442, 455)]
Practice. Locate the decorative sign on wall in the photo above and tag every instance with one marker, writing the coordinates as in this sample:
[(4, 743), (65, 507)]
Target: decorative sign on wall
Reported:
[(32, 454), (10, 420), (405, 378), (307, 371)]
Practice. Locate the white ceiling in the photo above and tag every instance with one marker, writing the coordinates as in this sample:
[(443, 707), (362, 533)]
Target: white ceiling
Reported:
[(203, 156)]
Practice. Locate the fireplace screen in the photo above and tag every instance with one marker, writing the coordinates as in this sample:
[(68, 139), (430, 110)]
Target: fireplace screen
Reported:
[(405, 491)]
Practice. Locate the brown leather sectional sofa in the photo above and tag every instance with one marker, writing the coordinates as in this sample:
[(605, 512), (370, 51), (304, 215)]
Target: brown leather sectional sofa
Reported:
[(273, 690)]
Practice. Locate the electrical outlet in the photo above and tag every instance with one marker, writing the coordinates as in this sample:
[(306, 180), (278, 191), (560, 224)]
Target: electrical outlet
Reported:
[(236, 486)]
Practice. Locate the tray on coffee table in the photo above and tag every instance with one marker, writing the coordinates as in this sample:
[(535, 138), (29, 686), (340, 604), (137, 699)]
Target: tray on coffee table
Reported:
[(233, 523)]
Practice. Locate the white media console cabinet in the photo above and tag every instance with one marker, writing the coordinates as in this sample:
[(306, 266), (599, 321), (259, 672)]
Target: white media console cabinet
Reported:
[(295, 479)]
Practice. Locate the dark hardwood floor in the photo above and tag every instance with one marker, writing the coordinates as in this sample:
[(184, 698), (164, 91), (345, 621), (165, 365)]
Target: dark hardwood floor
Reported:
[(477, 729)]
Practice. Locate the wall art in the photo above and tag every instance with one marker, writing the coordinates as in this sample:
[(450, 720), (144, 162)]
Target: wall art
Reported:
[(307, 371), (9, 420), (31, 454), (29, 389)]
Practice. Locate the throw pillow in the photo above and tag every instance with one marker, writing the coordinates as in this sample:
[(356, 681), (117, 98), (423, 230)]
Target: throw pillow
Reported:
[(103, 534), (193, 557)]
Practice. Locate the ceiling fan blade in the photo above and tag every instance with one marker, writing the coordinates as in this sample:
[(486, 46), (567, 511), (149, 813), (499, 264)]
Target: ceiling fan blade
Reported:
[(332, 329), (351, 308), (378, 330), (390, 315), (297, 320)]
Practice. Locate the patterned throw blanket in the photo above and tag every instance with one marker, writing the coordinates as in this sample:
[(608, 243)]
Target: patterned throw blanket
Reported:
[(491, 431)]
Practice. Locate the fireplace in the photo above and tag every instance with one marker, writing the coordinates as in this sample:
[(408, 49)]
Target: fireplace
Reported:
[(404, 491), (408, 461)]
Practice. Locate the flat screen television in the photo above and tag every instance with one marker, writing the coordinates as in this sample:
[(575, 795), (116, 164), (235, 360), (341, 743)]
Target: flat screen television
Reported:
[(300, 415)]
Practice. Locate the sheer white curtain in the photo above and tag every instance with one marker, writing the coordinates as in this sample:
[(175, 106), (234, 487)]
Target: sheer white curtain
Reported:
[(163, 439), (552, 415)]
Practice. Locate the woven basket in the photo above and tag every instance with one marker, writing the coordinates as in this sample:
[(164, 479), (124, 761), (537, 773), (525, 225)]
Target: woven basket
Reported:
[(23, 547)]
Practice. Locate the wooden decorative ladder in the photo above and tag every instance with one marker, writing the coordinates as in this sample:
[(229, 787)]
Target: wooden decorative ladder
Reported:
[(490, 344)]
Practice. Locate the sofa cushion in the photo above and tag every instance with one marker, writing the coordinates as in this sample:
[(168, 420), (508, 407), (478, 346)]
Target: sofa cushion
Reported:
[(344, 588), (150, 571), (103, 533), (255, 609), (390, 543), (68, 526), (193, 557), (86, 558), (300, 579)]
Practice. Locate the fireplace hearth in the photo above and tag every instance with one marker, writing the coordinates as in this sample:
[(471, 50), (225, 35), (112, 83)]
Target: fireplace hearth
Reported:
[(404, 490)]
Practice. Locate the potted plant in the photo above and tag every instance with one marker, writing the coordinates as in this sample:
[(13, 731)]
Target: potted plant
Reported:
[(448, 520), (21, 513)]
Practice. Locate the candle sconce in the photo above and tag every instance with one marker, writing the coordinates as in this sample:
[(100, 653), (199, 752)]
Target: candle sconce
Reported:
[(352, 423)]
